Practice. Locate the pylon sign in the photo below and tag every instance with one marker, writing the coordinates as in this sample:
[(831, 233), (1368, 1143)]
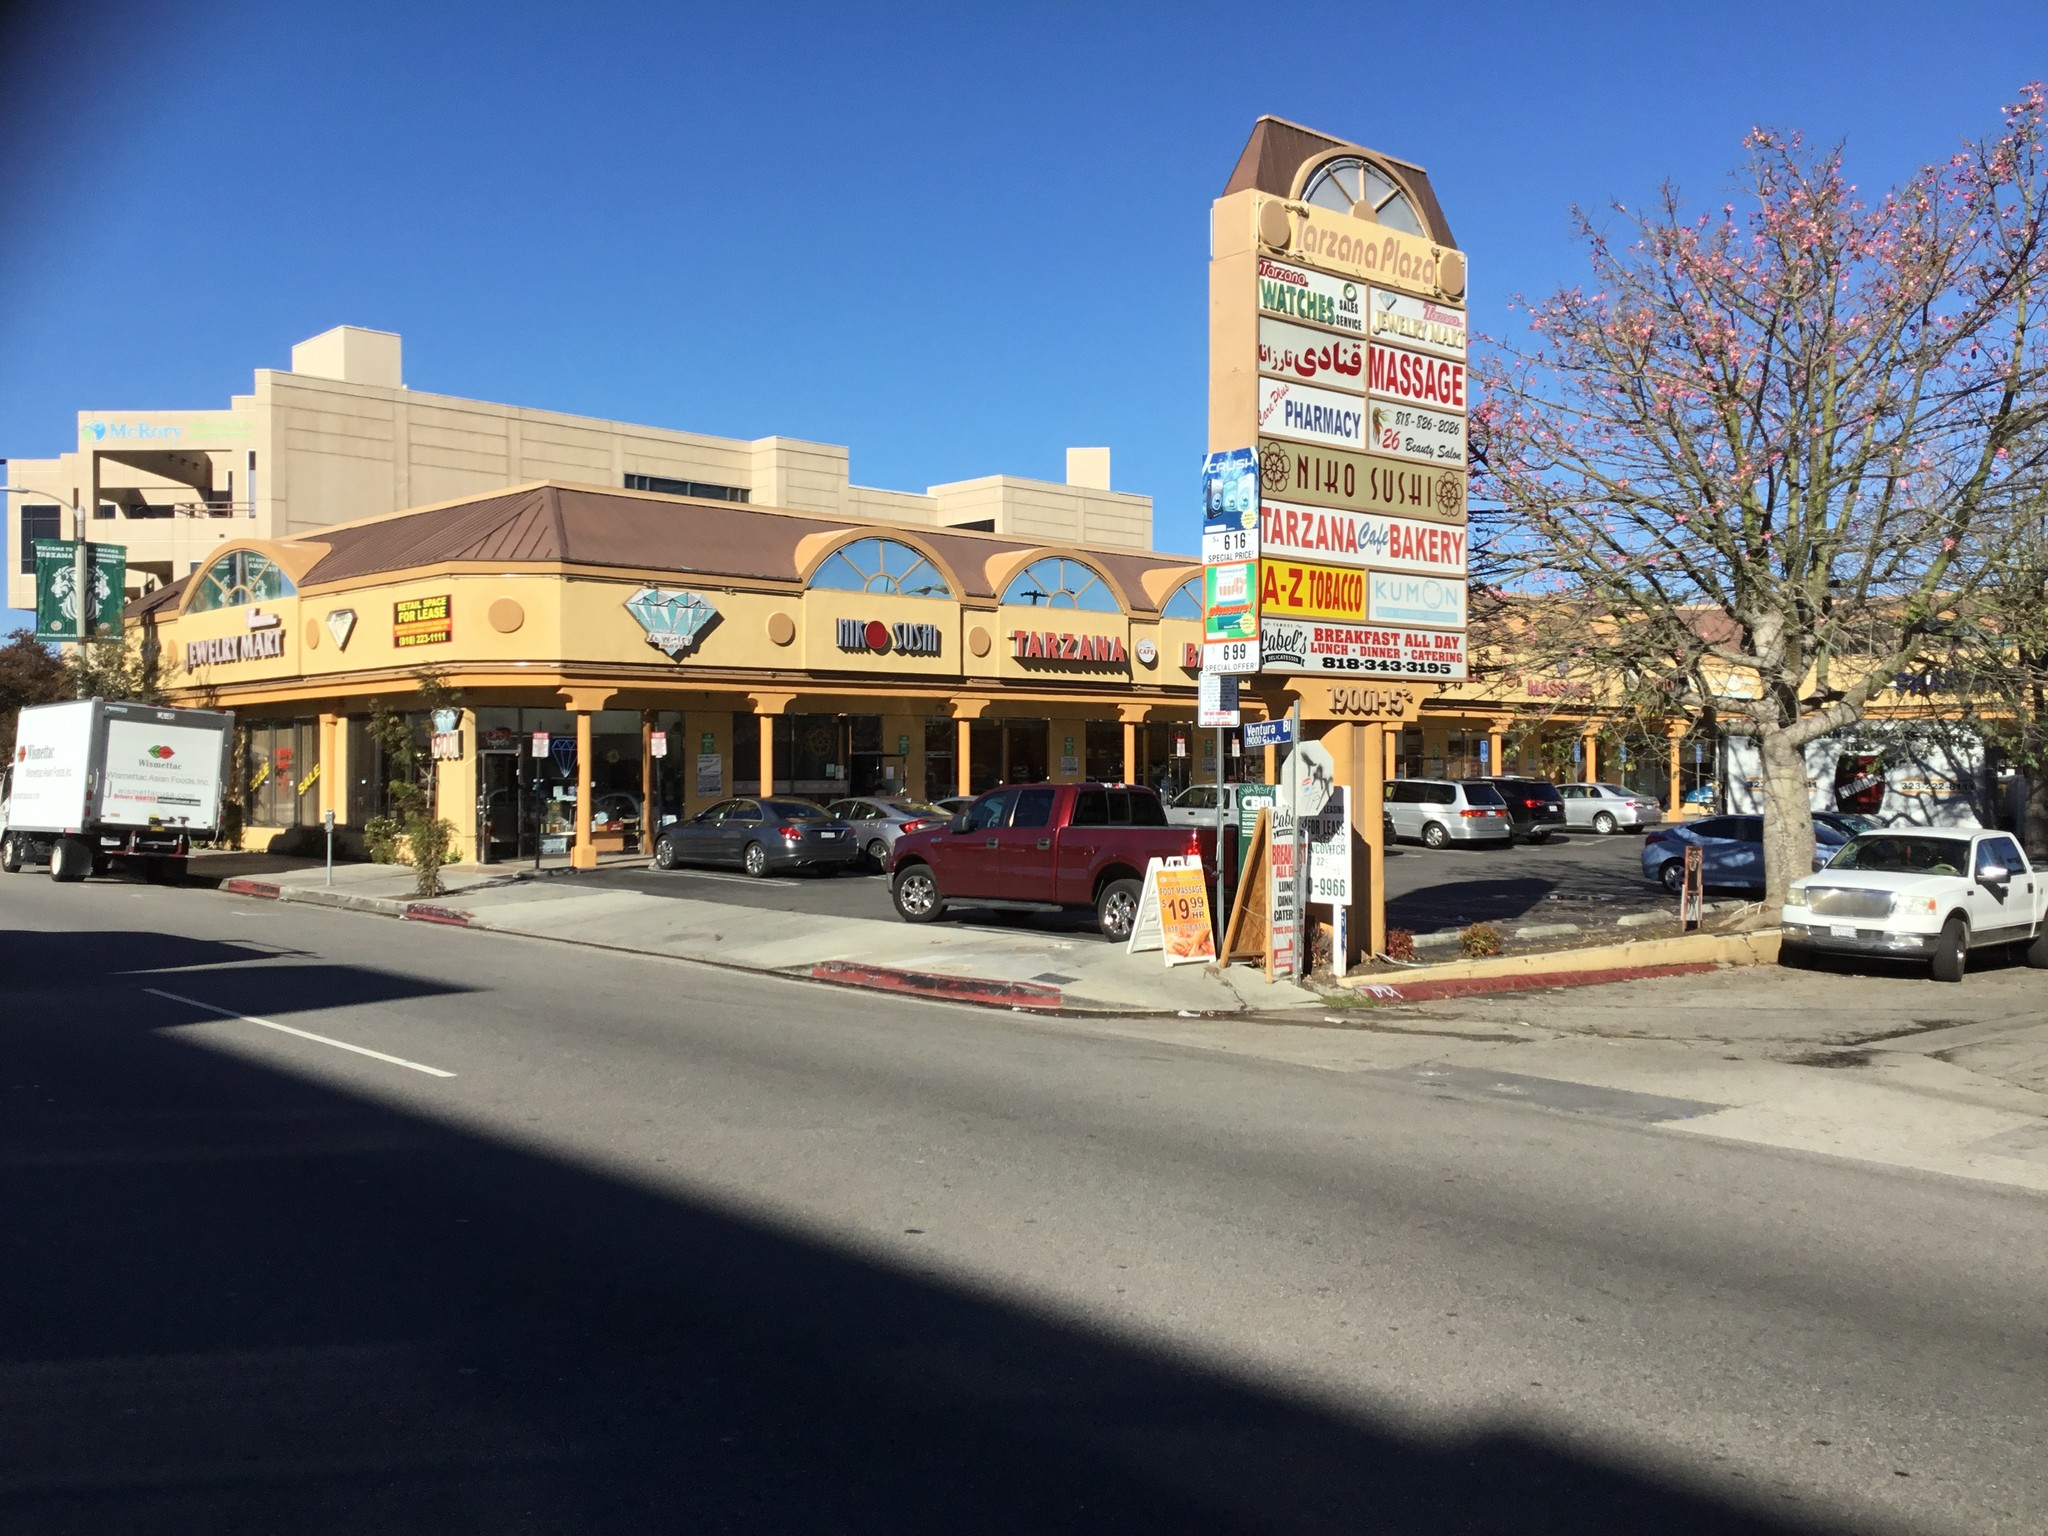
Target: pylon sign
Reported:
[(57, 596)]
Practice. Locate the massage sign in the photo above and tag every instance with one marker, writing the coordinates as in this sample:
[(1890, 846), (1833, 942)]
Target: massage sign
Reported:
[(1338, 351)]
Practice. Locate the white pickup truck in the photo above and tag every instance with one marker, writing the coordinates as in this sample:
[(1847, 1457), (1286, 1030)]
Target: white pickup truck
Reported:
[(1920, 894)]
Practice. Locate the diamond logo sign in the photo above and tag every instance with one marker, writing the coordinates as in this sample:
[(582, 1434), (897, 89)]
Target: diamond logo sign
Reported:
[(341, 623), (673, 620)]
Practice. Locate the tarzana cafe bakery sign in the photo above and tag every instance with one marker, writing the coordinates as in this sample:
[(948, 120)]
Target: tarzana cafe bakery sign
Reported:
[(1051, 645)]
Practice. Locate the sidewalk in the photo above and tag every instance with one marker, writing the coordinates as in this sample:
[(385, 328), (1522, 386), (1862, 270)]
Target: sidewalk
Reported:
[(1044, 972)]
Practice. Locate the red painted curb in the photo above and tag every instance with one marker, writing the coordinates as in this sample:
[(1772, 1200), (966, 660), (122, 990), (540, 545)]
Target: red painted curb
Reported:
[(241, 885), (1466, 986), (952, 989), (420, 912)]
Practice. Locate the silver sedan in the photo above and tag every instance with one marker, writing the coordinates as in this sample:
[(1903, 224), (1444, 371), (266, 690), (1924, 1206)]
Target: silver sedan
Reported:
[(878, 820), (1608, 808)]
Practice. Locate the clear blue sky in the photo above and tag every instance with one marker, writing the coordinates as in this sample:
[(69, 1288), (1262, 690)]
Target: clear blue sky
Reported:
[(956, 238)]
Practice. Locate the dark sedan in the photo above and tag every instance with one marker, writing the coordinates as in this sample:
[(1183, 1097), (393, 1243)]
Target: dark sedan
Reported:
[(760, 836)]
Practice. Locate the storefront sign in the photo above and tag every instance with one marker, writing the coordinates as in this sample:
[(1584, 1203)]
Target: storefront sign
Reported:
[(341, 623), (710, 773), (254, 645), (1359, 538), (1297, 645), (1216, 701), (1425, 600), (1397, 374), (1419, 323), (1297, 587), (1385, 256), (1281, 912), (421, 621), (1056, 645), (1556, 688), (1360, 482), (447, 746), (1295, 352), (1410, 432), (657, 743), (1328, 835), (1300, 293), (539, 744), (1148, 651), (673, 619), (877, 638), (1312, 414)]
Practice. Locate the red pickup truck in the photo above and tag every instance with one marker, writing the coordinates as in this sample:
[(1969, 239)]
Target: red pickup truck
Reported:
[(1043, 846)]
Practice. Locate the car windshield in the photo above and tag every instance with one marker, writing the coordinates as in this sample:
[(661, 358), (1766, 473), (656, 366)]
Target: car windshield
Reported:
[(797, 810), (1893, 853)]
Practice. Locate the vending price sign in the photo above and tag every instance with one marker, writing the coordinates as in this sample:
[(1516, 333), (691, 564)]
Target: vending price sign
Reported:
[(1230, 562)]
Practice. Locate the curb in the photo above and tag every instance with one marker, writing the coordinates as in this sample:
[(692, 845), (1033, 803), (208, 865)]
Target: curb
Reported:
[(376, 906), (1467, 986), (1446, 938), (951, 989)]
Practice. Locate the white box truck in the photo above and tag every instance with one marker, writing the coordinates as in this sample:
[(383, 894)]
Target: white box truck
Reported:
[(91, 783)]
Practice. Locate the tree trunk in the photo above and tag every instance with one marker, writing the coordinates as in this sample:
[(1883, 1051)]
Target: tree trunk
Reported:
[(1788, 817), (2037, 813)]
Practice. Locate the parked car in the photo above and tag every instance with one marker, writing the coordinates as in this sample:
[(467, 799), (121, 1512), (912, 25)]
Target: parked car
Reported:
[(760, 836), (1732, 850), (1932, 895), (1535, 808), (1195, 806), (953, 805), (1848, 823), (878, 820), (1042, 846), (1607, 808), (1439, 812)]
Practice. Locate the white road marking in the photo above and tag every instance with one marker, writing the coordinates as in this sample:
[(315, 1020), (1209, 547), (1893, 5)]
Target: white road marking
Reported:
[(303, 1034)]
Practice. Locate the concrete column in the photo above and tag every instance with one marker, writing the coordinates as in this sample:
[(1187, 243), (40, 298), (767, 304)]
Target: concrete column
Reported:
[(767, 722), (1368, 822), (1590, 742), (963, 754), (1676, 791), (331, 770), (1494, 744), (581, 854), (1390, 752), (1130, 751)]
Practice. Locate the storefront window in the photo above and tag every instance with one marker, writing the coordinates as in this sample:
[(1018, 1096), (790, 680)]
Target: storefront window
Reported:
[(239, 579), (281, 773), (372, 769), (1105, 761), (1186, 603), (880, 565), (1056, 582), (941, 768)]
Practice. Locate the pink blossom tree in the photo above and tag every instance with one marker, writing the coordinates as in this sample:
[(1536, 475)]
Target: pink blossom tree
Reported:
[(1756, 465)]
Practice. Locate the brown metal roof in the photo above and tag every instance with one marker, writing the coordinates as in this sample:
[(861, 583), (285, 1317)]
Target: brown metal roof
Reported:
[(1278, 149), (660, 535)]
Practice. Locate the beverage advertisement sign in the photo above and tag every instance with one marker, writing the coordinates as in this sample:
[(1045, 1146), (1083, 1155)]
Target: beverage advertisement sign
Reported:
[(1422, 324), (1295, 352), (1410, 432), (1359, 538), (1428, 601), (1394, 373), (1302, 645), (1360, 482), (1230, 492), (1300, 293), (1316, 415)]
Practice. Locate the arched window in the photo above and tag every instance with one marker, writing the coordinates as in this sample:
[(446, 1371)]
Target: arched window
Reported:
[(880, 565), (239, 579), (1339, 184), (1056, 582), (1185, 603)]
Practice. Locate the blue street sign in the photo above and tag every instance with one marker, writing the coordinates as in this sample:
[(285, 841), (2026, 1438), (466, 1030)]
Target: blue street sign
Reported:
[(1269, 733)]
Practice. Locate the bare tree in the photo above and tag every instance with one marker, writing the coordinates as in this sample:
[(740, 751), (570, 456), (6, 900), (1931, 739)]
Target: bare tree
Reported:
[(1761, 446)]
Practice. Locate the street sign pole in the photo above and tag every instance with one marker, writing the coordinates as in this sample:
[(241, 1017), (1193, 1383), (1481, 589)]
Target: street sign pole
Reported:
[(1221, 910), (1294, 809)]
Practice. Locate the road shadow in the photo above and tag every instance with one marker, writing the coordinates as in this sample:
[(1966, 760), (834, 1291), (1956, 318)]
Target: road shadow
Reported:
[(238, 1300)]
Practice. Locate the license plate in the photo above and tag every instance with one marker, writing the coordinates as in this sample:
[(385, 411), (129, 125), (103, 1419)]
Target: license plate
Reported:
[(1841, 931), (828, 836)]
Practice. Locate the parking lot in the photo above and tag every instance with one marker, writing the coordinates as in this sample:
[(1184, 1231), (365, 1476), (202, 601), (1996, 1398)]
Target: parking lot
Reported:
[(1574, 877)]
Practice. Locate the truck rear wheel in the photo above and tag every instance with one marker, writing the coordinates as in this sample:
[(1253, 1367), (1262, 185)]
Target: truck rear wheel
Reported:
[(10, 855), (2037, 952), (69, 860), (1116, 909)]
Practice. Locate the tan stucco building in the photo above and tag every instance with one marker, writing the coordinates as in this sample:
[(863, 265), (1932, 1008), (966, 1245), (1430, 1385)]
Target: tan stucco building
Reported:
[(338, 436)]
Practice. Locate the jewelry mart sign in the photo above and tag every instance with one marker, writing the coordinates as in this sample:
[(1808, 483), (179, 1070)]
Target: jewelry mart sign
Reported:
[(1358, 650), (1423, 324), (1360, 482)]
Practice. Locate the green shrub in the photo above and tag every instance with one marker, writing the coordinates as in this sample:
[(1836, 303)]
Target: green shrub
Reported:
[(1400, 944), (1479, 941), (380, 838)]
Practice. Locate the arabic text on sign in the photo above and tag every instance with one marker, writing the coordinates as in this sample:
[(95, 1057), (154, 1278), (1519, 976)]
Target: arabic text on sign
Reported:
[(1312, 357)]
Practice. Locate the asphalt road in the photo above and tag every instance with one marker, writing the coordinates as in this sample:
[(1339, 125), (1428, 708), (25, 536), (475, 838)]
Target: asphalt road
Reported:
[(601, 1243), (1579, 876)]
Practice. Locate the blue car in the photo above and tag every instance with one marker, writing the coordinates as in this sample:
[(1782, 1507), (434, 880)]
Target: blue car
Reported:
[(1732, 849)]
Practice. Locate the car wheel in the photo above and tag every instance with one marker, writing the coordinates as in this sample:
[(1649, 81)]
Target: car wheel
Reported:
[(2037, 952), (1116, 909), (1604, 823), (69, 860), (1952, 951), (1671, 875), (916, 895), (1795, 957), (878, 852), (755, 860), (1434, 835), (665, 853), (10, 855), (1539, 835)]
